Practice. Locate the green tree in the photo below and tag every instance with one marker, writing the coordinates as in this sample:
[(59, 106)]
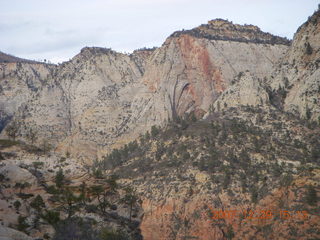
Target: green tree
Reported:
[(99, 192), (97, 173), (106, 234), (22, 224), (147, 136), (22, 186), (52, 217), (12, 130), (308, 48), (254, 195), (69, 202), (17, 205), (46, 146), (230, 232), (37, 165), (83, 193), (311, 195), (59, 178), (32, 135), (130, 199), (308, 113), (37, 203), (112, 182), (154, 131)]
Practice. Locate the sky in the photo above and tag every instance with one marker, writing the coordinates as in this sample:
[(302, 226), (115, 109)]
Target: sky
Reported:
[(57, 30)]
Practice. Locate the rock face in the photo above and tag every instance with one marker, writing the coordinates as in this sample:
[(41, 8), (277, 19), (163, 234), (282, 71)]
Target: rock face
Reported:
[(189, 73), (298, 77), (102, 99), (11, 234), (19, 82), (220, 29), (247, 90)]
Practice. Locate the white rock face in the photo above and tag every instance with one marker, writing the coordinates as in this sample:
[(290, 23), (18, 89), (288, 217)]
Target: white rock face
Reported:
[(102, 99), (17, 174), (248, 91), (11, 234), (299, 73), (19, 82)]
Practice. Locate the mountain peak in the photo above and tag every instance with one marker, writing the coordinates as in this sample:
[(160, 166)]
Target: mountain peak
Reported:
[(220, 29)]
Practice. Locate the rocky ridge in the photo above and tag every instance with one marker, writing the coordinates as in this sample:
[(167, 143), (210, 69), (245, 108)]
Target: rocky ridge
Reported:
[(220, 29)]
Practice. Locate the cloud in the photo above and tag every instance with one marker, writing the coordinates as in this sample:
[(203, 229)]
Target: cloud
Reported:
[(58, 29)]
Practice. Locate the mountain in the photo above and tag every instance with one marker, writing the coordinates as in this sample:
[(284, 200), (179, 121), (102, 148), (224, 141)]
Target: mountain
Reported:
[(102, 99), (7, 58), (213, 135)]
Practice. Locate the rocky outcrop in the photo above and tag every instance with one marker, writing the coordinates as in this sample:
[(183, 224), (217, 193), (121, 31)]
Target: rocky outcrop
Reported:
[(12, 234), (188, 73), (297, 78), (19, 82), (247, 90), (220, 29)]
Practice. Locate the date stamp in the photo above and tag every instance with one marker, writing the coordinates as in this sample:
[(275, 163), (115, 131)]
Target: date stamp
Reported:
[(261, 214)]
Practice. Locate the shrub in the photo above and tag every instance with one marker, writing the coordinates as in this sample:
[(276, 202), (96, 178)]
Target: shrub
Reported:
[(22, 224), (75, 228), (12, 130), (154, 131), (59, 178), (32, 135), (51, 217), (230, 233), (308, 48), (37, 203), (106, 234), (254, 195), (17, 205)]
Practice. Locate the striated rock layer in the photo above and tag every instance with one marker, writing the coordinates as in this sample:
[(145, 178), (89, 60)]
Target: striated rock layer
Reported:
[(102, 99)]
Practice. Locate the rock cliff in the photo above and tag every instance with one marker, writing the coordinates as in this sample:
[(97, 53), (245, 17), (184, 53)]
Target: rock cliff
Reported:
[(297, 78), (102, 99)]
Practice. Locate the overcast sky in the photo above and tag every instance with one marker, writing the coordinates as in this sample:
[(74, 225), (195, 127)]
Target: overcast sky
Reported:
[(57, 30)]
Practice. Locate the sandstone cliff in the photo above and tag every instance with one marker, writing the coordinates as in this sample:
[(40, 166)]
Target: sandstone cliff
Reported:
[(102, 99), (297, 78)]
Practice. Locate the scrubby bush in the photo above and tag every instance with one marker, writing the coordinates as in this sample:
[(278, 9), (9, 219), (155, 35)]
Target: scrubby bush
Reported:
[(22, 224), (37, 203), (59, 178), (17, 205)]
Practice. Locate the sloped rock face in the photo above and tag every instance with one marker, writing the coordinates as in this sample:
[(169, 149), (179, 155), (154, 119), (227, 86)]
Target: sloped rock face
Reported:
[(19, 82), (189, 73), (102, 99), (87, 101), (298, 77), (11, 234), (247, 90)]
